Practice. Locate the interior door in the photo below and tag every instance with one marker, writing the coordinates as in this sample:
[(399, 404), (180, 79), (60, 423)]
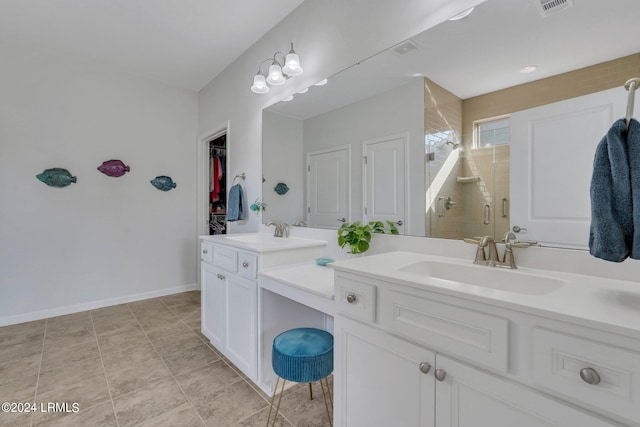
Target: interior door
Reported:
[(552, 149), (384, 183), (328, 187)]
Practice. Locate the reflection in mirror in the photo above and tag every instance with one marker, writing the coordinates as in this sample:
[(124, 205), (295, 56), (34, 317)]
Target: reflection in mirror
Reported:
[(442, 140)]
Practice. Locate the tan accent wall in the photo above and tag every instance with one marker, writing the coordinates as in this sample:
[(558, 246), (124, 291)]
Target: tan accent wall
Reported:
[(595, 78)]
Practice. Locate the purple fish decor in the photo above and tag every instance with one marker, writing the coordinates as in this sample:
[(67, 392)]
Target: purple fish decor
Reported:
[(114, 168)]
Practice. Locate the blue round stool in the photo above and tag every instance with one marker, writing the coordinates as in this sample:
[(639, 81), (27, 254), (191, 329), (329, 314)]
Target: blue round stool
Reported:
[(303, 355)]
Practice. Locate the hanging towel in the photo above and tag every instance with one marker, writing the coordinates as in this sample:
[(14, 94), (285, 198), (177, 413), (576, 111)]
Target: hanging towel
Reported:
[(236, 209), (611, 233), (633, 143)]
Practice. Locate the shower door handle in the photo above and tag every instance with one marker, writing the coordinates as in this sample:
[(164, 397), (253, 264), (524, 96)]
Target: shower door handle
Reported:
[(486, 214), (504, 207)]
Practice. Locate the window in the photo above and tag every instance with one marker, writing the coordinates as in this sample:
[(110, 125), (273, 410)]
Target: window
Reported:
[(490, 132)]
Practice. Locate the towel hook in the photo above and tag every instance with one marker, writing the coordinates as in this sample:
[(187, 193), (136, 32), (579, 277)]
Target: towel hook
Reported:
[(631, 85), (240, 175)]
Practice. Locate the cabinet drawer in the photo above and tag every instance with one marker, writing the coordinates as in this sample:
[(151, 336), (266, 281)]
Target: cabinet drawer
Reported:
[(206, 252), (559, 358), (226, 258), (247, 265), (355, 298), (475, 336)]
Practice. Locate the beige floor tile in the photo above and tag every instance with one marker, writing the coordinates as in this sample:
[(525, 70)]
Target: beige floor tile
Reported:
[(155, 398), (260, 420), (15, 419), (232, 404), (177, 342), (16, 333), (111, 325), (189, 359), (132, 369), (110, 312), (19, 350), (175, 327), (69, 320), (59, 377), (72, 337), (297, 408), (184, 311), (18, 390), (86, 393), (64, 355), (19, 368), (147, 306), (183, 416), (207, 382), (96, 416), (194, 321), (120, 340)]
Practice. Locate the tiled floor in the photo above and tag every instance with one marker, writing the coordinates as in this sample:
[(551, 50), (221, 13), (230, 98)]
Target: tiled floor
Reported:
[(138, 364)]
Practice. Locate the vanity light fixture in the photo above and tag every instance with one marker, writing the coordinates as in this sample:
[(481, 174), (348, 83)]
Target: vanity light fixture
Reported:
[(461, 15), (279, 71)]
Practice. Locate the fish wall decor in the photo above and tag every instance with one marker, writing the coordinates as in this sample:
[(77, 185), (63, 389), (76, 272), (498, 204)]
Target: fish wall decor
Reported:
[(163, 183), (114, 168), (281, 188), (56, 177)]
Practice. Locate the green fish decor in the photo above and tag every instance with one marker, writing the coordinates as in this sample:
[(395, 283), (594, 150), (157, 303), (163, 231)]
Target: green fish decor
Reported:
[(163, 183), (281, 188), (56, 177)]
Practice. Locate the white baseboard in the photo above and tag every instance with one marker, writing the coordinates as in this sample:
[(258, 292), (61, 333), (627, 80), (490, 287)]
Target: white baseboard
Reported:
[(92, 305)]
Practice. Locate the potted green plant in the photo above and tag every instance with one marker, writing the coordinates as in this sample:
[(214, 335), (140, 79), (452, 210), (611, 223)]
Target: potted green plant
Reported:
[(358, 235)]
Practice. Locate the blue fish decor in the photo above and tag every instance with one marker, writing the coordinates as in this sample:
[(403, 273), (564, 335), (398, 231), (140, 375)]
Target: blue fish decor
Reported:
[(281, 188), (56, 177), (114, 168), (163, 183)]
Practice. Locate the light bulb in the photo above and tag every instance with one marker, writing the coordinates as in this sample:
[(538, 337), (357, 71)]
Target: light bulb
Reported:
[(275, 75), (321, 82), (259, 84), (305, 90), (292, 65), (288, 98)]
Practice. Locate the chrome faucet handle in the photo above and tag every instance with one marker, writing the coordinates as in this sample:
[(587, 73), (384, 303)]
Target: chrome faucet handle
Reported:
[(481, 257), (509, 237), (285, 229)]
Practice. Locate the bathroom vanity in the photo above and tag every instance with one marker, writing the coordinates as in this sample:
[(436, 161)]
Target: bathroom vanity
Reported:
[(230, 266), (415, 342)]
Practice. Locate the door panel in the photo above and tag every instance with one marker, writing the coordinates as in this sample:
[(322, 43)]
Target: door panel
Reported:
[(384, 180), (328, 188), (552, 154)]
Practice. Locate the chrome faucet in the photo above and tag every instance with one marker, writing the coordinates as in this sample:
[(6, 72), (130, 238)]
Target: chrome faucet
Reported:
[(281, 230), (508, 260)]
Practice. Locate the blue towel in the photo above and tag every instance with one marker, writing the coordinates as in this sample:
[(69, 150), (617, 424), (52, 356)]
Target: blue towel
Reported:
[(633, 142), (236, 210), (611, 234)]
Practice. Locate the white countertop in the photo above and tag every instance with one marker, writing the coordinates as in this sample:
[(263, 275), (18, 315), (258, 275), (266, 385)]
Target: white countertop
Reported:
[(607, 304), (307, 277), (262, 242)]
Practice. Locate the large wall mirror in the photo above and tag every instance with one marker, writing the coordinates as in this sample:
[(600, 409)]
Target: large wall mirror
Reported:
[(472, 128)]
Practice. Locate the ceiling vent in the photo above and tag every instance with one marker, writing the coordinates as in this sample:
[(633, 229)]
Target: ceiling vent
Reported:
[(551, 7), (404, 47)]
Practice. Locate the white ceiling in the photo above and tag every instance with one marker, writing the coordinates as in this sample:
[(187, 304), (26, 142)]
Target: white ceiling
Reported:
[(184, 43), (485, 51)]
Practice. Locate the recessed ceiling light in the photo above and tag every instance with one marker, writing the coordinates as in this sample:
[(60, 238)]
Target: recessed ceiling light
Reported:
[(288, 98), (461, 15), (305, 90), (321, 83), (528, 69)]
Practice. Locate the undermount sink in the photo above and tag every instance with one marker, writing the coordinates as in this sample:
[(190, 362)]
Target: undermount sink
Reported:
[(488, 277), (252, 238)]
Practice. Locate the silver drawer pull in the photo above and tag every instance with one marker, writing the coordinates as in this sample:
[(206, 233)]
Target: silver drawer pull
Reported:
[(245, 264), (440, 374), (221, 277), (590, 376), (204, 251), (351, 298), (425, 367)]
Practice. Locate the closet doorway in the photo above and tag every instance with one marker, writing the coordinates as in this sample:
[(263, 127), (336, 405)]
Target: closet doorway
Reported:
[(217, 183)]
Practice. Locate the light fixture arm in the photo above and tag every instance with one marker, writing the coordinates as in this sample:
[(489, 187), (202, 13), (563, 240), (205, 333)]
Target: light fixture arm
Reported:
[(261, 64)]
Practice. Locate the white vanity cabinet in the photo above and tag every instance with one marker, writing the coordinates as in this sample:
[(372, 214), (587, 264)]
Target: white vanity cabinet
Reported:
[(409, 357), (229, 289)]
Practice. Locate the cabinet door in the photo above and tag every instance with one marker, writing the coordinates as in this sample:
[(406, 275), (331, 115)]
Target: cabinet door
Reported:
[(241, 326), (378, 381), (468, 397), (213, 305)]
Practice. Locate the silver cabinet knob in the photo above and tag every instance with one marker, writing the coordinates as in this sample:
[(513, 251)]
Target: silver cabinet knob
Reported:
[(205, 251), (590, 376), (245, 264), (351, 298), (425, 367), (440, 374)]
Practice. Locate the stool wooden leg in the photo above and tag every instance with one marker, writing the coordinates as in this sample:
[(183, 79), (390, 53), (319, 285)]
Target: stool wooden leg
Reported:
[(275, 391), (329, 392), (329, 414), (310, 392)]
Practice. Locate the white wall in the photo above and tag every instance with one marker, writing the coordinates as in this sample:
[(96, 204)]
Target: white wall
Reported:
[(282, 162), (329, 35), (397, 111), (101, 240)]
